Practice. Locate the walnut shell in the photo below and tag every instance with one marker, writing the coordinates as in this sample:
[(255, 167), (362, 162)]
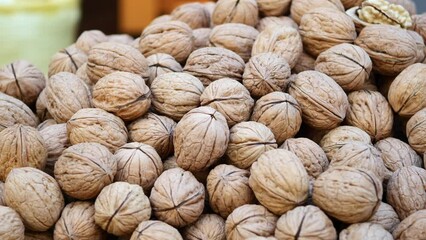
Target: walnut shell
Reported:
[(15, 112), (41, 107), (228, 188), (208, 226), (56, 140), (38, 235), (351, 3), (200, 176), (305, 63), (120, 207), (213, 63), (300, 7), (82, 74), (334, 192), (84, 169), (266, 73), (36, 197), (108, 57), (161, 19), (419, 24), (173, 38), (21, 146), (2, 200), (250, 221), (230, 98), (177, 197), (365, 231), (88, 39), (78, 221), (161, 63), (385, 216), (277, 108), (413, 227), (273, 7), (86, 124), (304, 222), (200, 139), (236, 11), (416, 130), (66, 60), (247, 141), (322, 100), (46, 123), (201, 37), (121, 38), (282, 21), (153, 229), (11, 225), (193, 14), (409, 5)]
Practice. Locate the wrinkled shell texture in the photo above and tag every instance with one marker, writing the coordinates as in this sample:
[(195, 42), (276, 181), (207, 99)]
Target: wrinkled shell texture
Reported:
[(228, 188), (82, 74), (273, 7), (247, 141), (78, 221), (11, 226), (41, 107), (305, 222), (419, 24), (84, 169), (201, 37), (208, 226), (56, 139), (322, 100), (177, 198), (283, 21), (21, 146), (413, 227), (15, 112), (230, 98), (266, 73), (120, 207), (277, 108), (157, 230), (334, 192), (97, 125), (385, 216), (193, 14), (175, 94), (88, 39), (305, 63), (213, 63), (2, 201), (66, 60), (351, 3), (236, 11), (416, 131), (365, 231), (200, 139), (35, 196), (250, 221), (161, 63), (279, 181), (173, 38), (301, 7)]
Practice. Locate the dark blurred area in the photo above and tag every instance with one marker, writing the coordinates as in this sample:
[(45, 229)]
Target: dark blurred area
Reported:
[(102, 16)]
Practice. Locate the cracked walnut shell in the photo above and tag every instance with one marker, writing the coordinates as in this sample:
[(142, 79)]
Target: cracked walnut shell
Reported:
[(300, 7), (386, 217), (11, 225), (14, 112), (413, 227), (365, 231), (236, 11), (208, 226), (416, 130), (161, 63), (153, 229), (194, 14), (66, 60), (384, 12)]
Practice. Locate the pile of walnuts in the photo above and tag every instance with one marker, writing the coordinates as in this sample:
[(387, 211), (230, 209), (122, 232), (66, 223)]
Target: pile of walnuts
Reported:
[(240, 119)]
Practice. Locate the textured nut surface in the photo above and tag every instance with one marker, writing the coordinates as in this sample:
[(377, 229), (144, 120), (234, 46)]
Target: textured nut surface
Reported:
[(334, 192), (273, 7), (78, 221), (322, 100), (385, 216), (41, 106), (384, 12), (120, 207), (193, 14), (409, 5), (304, 222), (11, 226), (15, 112), (35, 196), (228, 188), (236, 11), (419, 24), (416, 130), (201, 37), (56, 140), (177, 197), (120, 38), (230, 98), (21, 146), (2, 200), (283, 21), (46, 123), (413, 227), (84, 169), (66, 60), (351, 3), (153, 229), (300, 7), (208, 226), (161, 63), (266, 73), (200, 139), (305, 63), (365, 231), (38, 235), (97, 125), (90, 38), (200, 176), (250, 221)]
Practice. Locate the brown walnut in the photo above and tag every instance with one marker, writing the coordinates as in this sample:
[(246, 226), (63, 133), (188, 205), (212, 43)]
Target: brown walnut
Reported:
[(413, 227), (56, 140), (66, 60), (193, 14), (11, 224), (385, 216), (208, 226), (416, 130), (14, 112), (365, 231), (236, 11), (90, 38), (300, 7), (153, 229), (161, 63)]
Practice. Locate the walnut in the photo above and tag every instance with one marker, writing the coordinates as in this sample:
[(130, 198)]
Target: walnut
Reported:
[(266, 73), (210, 6), (280, 112), (153, 229), (177, 197), (208, 226), (84, 169), (161, 19), (82, 74), (56, 140), (282, 21), (11, 225), (322, 100), (78, 221), (406, 190), (41, 107), (384, 12), (247, 141), (236, 11), (228, 188), (200, 139), (122, 93), (120, 207), (161, 63), (38, 235), (407, 93), (283, 41), (66, 94), (416, 130), (413, 227), (213, 63), (88, 39), (200, 176), (391, 49), (250, 221), (334, 192), (365, 231), (35, 196), (300, 7), (230, 98), (309, 153), (304, 222), (175, 94), (15, 112), (193, 14), (349, 65), (121, 38), (108, 57), (22, 80), (419, 25), (2, 200), (385, 216), (351, 3), (201, 37), (66, 60), (408, 5), (305, 63), (273, 7), (420, 43), (173, 37), (87, 124)]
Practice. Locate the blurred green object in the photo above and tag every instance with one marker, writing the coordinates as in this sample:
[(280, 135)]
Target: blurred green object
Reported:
[(35, 29)]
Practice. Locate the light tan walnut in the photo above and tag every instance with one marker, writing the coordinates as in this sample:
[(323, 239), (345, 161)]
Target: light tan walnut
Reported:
[(82, 74), (384, 12), (160, 19), (300, 7), (41, 106), (305, 63), (283, 21), (161, 63), (236, 11), (201, 37), (14, 112), (273, 7), (365, 231), (385, 216), (153, 229), (193, 14), (416, 130), (120, 38), (200, 176), (2, 200), (12, 227), (67, 60), (56, 140), (90, 38), (413, 227), (208, 226)]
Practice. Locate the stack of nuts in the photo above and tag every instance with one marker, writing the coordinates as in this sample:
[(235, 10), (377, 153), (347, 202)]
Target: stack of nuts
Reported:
[(241, 119)]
